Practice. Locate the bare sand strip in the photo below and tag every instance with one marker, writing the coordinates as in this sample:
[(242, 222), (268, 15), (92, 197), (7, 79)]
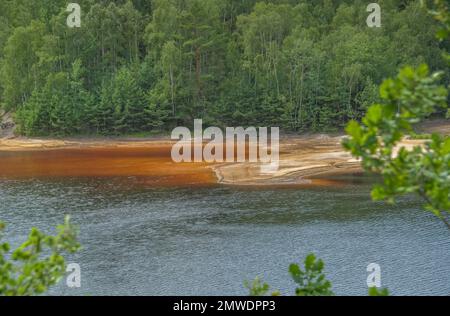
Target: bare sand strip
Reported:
[(309, 159), (24, 144), (302, 161)]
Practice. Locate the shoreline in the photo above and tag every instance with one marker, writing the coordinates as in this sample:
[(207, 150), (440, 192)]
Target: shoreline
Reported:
[(301, 159), (304, 159), (41, 144)]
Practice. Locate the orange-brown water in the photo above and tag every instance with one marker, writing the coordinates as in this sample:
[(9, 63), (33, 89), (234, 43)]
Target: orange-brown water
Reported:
[(152, 164), (310, 160), (304, 162)]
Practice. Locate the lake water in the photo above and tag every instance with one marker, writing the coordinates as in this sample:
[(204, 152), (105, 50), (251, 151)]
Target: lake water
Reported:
[(139, 239)]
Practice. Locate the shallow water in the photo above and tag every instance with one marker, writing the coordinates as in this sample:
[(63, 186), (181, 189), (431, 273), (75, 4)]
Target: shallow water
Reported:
[(144, 240)]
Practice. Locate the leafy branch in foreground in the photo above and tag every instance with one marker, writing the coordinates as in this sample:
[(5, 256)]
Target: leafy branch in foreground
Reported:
[(258, 288), (311, 281), (408, 99), (38, 263), (373, 291), (424, 169)]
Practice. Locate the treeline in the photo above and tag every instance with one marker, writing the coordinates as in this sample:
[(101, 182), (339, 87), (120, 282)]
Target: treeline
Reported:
[(146, 65)]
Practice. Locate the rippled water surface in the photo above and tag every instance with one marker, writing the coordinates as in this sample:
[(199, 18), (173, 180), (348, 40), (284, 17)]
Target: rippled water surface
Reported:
[(139, 239)]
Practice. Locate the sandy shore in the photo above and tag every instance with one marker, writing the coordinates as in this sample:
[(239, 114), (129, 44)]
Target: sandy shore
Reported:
[(301, 159), (25, 144), (311, 159), (304, 160)]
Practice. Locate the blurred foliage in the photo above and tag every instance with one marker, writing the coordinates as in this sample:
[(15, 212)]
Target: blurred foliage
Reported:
[(373, 291), (38, 263), (423, 170), (258, 288), (407, 99), (311, 281)]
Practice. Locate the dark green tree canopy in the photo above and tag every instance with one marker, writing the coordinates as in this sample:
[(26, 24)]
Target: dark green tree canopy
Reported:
[(152, 64)]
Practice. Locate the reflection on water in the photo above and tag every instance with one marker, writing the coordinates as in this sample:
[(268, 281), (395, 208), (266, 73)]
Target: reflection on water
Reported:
[(141, 239)]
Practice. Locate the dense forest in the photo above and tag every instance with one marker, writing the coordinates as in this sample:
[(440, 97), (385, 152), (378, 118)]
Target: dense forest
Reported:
[(149, 65)]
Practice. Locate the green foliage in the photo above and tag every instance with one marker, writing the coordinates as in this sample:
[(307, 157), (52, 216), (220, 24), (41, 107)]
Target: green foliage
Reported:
[(440, 10), (310, 282), (38, 263), (424, 170), (258, 288), (151, 64), (373, 291), (60, 107)]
